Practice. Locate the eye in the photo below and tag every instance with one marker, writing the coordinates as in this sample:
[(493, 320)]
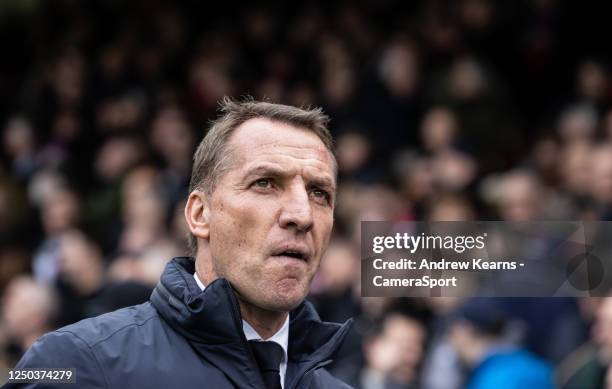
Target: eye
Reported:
[(321, 194), (262, 183)]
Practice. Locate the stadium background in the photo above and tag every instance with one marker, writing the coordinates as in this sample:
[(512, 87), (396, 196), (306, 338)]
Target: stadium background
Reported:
[(458, 110)]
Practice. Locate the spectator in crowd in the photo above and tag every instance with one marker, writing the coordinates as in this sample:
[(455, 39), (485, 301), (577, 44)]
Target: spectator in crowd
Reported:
[(29, 310), (394, 351), (601, 180), (585, 367), (59, 214), (334, 294), (478, 335), (442, 368), (83, 283)]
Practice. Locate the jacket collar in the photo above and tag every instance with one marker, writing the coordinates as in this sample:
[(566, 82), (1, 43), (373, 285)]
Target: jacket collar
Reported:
[(210, 320)]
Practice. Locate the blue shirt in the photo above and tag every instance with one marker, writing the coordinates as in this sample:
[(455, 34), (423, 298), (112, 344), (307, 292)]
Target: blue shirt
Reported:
[(511, 369)]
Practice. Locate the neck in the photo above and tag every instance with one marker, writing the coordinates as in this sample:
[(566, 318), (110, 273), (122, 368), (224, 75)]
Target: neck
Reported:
[(266, 323)]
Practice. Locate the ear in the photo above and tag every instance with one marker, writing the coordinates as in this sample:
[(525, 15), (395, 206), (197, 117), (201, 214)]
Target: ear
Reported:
[(197, 214)]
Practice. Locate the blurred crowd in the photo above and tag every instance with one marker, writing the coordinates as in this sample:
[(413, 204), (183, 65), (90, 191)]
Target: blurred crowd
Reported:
[(441, 110)]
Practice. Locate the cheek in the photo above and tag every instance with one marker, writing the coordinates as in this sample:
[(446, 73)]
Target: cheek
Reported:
[(324, 221), (236, 233)]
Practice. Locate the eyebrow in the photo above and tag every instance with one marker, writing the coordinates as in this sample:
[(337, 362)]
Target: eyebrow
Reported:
[(273, 171), (323, 183)]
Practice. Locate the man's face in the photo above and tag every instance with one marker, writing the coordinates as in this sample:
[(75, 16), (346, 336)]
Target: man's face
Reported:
[(271, 213)]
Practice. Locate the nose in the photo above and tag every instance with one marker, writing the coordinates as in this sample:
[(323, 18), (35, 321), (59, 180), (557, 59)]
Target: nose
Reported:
[(296, 209)]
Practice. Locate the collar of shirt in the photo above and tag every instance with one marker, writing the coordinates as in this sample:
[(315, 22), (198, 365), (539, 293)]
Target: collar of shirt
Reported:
[(281, 337)]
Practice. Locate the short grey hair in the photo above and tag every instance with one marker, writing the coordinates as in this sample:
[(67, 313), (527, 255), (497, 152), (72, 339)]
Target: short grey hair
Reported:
[(212, 158)]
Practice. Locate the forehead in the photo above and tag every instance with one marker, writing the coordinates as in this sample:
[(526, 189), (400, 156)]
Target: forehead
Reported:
[(264, 140)]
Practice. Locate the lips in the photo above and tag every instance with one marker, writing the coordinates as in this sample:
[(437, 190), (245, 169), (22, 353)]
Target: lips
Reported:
[(296, 251)]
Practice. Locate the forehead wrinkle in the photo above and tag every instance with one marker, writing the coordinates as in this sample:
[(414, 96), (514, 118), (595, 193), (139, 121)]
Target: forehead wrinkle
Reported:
[(284, 169), (306, 156), (306, 160), (275, 148), (322, 158), (311, 148), (256, 167), (318, 176)]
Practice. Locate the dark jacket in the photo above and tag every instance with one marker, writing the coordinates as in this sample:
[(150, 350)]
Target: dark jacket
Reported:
[(183, 338)]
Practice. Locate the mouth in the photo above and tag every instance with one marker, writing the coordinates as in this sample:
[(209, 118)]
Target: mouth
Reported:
[(296, 252)]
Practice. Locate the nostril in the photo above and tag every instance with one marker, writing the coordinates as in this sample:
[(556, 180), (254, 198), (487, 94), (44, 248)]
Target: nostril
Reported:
[(300, 223), (303, 227)]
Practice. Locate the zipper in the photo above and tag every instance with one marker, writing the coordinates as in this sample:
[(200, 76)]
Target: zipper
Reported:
[(310, 370)]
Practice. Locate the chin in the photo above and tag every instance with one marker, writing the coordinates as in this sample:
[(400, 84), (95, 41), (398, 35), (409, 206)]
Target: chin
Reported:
[(285, 306), (286, 302)]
